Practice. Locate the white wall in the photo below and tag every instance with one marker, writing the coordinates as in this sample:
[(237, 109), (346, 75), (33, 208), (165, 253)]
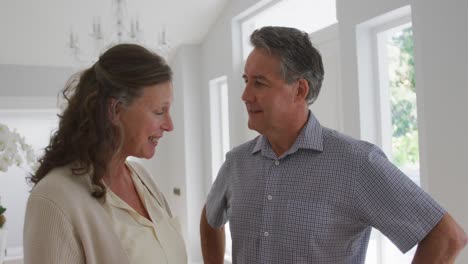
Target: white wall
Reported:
[(441, 72), (328, 106), (441, 62), (221, 55), (189, 82), (22, 80)]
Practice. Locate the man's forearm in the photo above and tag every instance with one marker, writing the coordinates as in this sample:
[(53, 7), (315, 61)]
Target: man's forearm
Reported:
[(442, 244), (213, 242)]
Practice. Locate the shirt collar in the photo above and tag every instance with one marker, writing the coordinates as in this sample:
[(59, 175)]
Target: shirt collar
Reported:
[(309, 138)]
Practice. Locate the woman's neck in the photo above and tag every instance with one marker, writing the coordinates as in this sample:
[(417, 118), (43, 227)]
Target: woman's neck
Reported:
[(117, 174)]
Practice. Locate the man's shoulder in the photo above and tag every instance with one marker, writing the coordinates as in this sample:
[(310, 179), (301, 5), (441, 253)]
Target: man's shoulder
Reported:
[(243, 149), (335, 140)]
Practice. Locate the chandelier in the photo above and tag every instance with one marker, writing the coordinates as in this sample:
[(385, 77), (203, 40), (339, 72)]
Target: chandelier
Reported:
[(124, 32)]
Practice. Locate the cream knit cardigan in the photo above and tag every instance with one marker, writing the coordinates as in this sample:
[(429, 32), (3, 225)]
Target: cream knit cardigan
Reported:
[(64, 224)]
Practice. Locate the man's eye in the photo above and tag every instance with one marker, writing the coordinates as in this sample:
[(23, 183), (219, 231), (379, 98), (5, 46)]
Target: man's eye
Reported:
[(159, 113)]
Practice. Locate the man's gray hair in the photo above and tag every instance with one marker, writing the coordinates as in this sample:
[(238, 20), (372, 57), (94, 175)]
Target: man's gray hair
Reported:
[(298, 57)]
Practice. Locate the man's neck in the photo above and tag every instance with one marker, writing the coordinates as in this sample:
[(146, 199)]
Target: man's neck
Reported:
[(282, 140)]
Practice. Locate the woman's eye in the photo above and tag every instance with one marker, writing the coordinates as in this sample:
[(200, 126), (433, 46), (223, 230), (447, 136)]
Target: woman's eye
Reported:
[(159, 113)]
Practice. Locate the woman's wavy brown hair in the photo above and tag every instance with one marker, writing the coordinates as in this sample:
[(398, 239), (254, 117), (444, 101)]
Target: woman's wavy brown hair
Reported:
[(86, 137)]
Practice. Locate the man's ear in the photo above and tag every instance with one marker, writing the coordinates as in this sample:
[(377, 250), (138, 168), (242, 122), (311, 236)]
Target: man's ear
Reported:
[(114, 108), (302, 89)]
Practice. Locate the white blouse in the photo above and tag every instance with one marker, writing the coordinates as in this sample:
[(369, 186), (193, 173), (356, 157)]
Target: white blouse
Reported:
[(145, 241)]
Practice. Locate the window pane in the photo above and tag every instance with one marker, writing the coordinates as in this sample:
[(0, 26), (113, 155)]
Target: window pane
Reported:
[(220, 144), (219, 122), (399, 121), (405, 145)]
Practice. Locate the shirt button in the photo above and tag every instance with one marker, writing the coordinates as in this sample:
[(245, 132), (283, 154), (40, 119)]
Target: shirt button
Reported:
[(270, 197), (276, 162), (266, 234)]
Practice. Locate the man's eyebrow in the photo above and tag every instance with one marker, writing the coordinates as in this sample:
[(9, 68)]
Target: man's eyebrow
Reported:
[(257, 77)]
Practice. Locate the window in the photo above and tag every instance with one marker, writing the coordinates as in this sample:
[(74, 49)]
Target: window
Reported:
[(398, 97), (219, 119), (389, 110), (398, 116)]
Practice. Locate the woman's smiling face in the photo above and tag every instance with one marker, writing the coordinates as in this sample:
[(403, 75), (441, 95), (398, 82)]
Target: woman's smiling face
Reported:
[(146, 119)]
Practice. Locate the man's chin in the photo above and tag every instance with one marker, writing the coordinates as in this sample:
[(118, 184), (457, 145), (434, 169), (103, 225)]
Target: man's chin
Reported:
[(250, 125), (253, 126)]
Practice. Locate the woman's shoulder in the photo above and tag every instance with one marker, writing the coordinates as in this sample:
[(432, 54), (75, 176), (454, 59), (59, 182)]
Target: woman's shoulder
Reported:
[(61, 186)]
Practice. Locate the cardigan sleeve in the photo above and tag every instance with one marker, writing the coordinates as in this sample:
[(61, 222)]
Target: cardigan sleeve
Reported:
[(48, 234)]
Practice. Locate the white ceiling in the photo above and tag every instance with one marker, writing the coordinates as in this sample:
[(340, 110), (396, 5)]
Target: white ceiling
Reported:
[(36, 32)]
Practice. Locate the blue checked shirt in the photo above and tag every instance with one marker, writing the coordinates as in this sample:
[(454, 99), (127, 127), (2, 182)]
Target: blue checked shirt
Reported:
[(317, 202)]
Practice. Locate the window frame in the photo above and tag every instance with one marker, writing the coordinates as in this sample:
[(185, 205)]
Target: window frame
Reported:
[(374, 94)]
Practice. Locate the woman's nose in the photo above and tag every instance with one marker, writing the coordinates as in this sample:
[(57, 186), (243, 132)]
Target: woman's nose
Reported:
[(168, 124)]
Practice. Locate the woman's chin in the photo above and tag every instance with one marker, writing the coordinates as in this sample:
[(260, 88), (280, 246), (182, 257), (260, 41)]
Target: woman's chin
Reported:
[(150, 154)]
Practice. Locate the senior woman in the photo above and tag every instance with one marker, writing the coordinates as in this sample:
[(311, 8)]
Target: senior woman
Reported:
[(89, 204)]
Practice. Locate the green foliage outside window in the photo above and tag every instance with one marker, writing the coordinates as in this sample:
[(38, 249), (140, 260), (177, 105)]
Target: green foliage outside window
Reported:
[(2, 217), (403, 100)]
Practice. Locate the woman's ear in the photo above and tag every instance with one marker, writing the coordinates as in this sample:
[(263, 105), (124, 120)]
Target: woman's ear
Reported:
[(113, 110)]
